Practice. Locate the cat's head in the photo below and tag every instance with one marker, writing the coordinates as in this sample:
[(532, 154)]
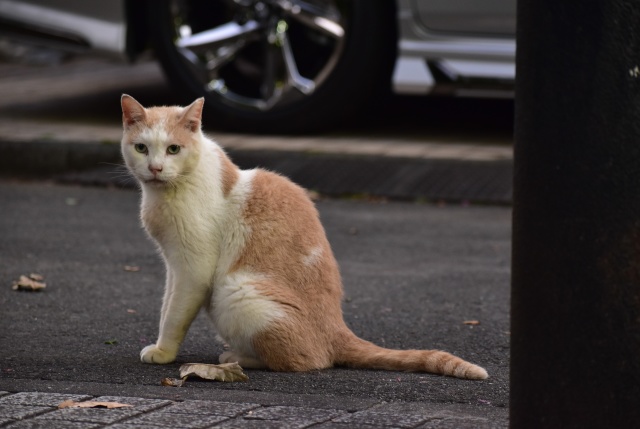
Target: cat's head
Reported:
[(161, 145)]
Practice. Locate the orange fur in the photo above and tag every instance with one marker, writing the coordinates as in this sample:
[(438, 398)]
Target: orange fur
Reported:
[(230, 174)]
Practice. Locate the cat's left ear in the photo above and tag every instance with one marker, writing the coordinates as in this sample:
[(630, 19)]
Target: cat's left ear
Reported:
[(192, 116)]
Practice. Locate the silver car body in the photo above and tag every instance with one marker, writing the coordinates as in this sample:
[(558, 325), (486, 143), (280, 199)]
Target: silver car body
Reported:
[(76, 23), (465, 40), (455, 41)]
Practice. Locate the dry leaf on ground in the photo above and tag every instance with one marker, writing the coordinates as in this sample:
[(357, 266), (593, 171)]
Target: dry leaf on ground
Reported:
[(92, 404), (223, 372), (32, 283), (228, 372), (471, 322), (132, 268)]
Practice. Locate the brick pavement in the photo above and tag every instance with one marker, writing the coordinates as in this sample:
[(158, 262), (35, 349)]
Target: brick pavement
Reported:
[(35, 410)]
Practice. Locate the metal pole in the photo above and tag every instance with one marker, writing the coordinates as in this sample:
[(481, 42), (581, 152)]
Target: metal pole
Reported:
[(575, 359)]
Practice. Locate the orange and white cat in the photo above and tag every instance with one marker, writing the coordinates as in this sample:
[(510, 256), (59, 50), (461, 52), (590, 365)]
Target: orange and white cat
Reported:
[(247, 246)]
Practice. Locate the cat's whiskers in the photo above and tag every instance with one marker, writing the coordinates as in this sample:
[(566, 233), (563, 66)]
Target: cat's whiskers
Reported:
[(118, 164), (120, 172)]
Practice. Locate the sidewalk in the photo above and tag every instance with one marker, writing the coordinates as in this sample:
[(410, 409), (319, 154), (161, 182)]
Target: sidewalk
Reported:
[(40, 410)]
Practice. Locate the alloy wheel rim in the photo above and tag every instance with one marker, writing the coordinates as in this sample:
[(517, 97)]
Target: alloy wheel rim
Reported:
[(264, 54)]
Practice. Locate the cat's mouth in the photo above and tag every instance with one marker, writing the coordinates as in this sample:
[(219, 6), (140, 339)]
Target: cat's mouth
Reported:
[(155, 181)]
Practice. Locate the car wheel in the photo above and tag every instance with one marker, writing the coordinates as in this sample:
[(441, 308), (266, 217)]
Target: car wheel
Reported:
[(276, 65)]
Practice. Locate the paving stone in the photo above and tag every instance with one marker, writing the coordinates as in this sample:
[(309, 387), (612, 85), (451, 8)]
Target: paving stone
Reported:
[(281, 417), (455, 423), (298, 414), (91, 415), (52, 424), (216, 408), (140, 404), (40, 399), (382, 419), (335, 425), (176, 420), (19, 412), (241, 423), (134, 426)]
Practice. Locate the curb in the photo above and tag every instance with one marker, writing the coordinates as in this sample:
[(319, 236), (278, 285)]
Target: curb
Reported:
[(332, 174)]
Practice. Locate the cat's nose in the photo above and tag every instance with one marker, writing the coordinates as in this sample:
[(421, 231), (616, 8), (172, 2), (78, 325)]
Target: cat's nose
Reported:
[(155, 169)]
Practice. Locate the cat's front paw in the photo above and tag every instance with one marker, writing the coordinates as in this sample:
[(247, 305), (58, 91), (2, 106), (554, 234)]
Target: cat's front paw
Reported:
[(154, 354)]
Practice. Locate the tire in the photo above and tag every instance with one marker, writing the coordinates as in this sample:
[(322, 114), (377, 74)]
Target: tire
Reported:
[(272, 69)]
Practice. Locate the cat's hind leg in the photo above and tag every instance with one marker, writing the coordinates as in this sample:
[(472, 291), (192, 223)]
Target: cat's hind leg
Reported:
[(244, 361)]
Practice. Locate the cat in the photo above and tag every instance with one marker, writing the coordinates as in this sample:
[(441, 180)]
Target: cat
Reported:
[(249, 248)]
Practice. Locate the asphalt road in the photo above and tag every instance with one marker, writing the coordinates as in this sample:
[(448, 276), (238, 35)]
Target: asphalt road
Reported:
[(413, 274)]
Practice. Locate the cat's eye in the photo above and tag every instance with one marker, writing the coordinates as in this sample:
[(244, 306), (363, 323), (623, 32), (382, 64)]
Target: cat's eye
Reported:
[(140, 148), (173, 149)]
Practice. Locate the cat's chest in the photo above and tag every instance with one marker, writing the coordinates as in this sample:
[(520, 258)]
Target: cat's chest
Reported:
[(204, 234), (180, 225)]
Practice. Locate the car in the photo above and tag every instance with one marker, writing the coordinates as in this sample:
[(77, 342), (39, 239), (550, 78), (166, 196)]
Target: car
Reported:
[(290, 65)]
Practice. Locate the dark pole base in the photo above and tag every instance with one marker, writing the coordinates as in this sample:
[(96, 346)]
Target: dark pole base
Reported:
[(576, 227)]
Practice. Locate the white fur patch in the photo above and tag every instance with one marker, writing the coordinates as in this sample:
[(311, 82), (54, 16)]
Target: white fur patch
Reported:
[(236, 231), (156, 134), (239, 311), (313, 257), (242, 189)]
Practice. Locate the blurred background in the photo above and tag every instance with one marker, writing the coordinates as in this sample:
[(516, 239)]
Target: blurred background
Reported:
[(428, 79)]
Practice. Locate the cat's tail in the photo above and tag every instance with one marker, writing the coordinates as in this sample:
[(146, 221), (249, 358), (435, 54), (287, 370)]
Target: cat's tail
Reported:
[(358, 353)]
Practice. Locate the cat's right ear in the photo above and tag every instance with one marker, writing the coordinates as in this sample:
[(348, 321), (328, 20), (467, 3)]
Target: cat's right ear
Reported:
[(132, 111)]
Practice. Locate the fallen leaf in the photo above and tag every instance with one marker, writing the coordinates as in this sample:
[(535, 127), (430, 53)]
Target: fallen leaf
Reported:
[(223, 372), (29, 283), (131, 311), (173, 382), (92, 404), (132, 268), (471, 322), (111, 342)]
